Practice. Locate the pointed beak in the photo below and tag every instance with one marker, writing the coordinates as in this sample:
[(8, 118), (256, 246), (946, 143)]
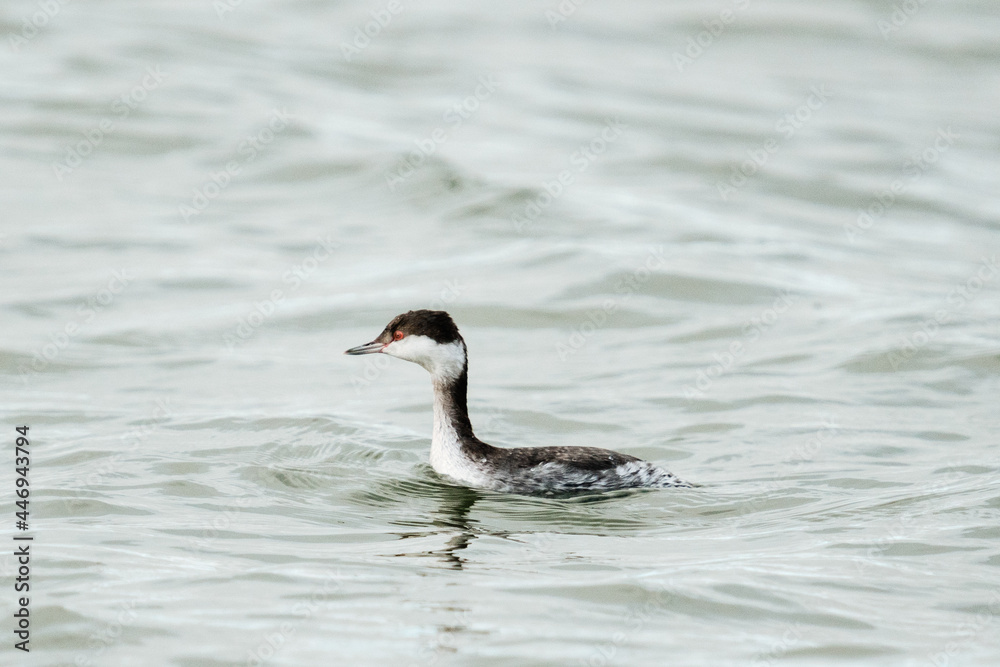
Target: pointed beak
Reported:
[(367, 348)]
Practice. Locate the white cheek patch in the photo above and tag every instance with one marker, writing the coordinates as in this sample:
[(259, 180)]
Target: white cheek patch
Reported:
[(444, 361)]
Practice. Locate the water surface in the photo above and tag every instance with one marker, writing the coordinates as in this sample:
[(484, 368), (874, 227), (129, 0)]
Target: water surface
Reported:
[(754, 242)]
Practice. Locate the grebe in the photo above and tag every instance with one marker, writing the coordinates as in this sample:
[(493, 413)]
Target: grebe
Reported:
[(431, 339)]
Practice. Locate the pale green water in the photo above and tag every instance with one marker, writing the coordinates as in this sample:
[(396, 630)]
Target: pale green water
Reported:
[(212, 486)]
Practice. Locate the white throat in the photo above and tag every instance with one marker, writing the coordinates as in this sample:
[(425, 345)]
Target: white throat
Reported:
[(447, 456), (445, 361)]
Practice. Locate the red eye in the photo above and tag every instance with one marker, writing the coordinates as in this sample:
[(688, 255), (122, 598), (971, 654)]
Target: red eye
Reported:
[(398, 335)]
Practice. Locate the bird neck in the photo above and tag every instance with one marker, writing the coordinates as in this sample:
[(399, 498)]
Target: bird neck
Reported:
[(453, 438)]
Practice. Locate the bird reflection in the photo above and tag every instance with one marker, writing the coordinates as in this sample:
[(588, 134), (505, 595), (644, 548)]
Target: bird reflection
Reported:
[(451, 516)]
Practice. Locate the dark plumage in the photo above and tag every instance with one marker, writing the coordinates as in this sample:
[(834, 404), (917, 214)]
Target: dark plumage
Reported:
[(435, 324)]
